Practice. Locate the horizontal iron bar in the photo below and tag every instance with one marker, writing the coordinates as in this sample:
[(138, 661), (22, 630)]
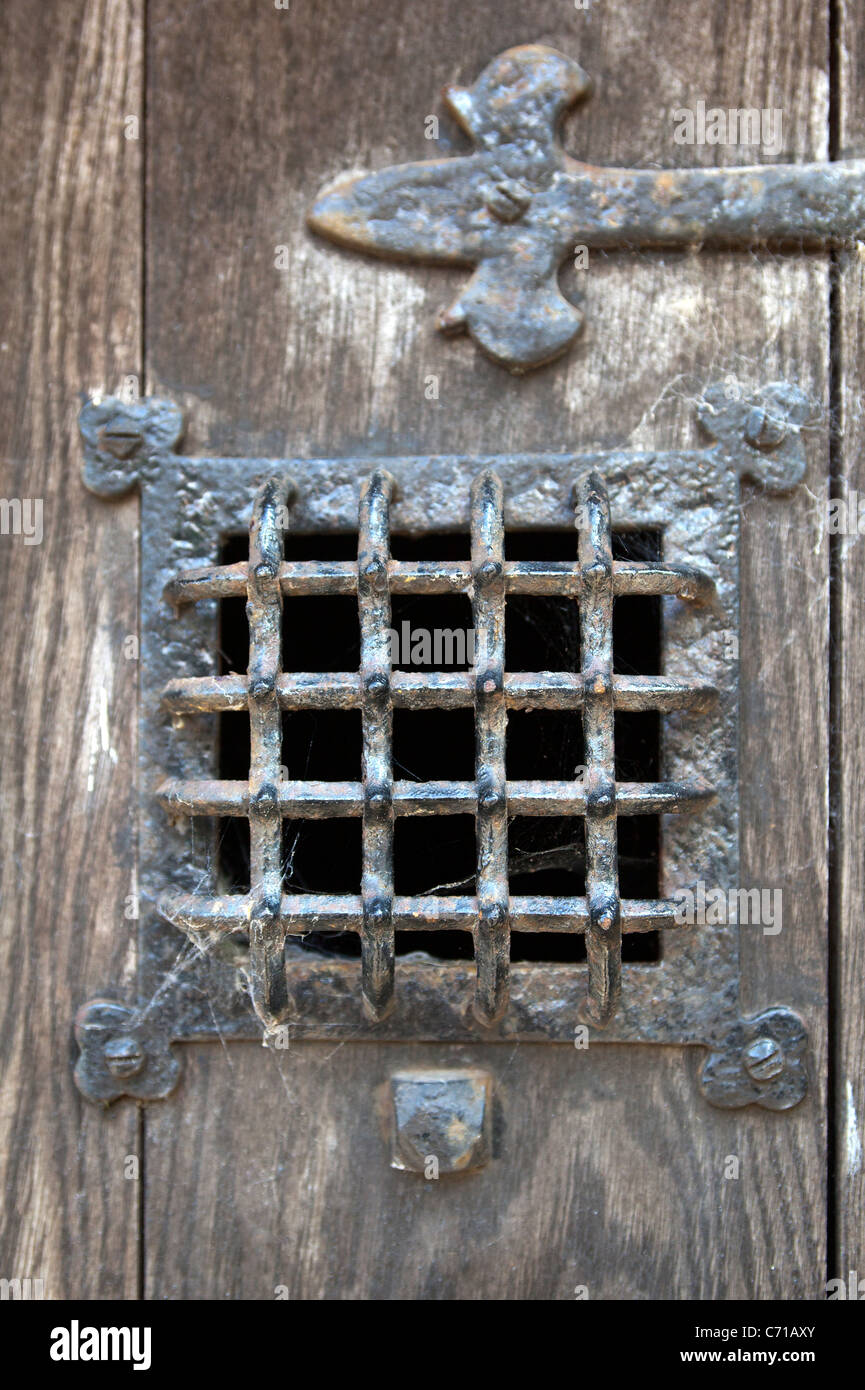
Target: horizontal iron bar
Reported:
[(322, 800), (436, 690), (543, 578), (305, 912)]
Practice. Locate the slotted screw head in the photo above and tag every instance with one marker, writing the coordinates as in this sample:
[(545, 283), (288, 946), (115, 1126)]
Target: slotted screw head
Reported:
[(124, 1056), (763, 1059), (121, 443), (763, 430)]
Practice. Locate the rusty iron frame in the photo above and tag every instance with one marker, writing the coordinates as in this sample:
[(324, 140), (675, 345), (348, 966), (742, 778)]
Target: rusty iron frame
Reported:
[(243, 968)]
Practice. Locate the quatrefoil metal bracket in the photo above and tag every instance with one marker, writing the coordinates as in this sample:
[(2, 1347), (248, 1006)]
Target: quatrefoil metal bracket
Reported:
[(208, 968)]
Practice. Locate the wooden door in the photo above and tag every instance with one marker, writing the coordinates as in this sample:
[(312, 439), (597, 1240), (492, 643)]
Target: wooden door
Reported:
[(157, 163)]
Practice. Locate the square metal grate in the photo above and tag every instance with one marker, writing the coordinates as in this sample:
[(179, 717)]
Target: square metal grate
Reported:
[(241, 942), (269, 914)]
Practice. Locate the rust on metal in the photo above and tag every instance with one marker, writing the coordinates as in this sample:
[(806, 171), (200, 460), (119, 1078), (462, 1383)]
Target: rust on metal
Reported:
[(761, 1061), (264, 612), (604, 932), (377, 938), (492, 933), (323, 800), (538, 577), (123, 1052), (266, 800), (519, 205), (256, 933), (434, 690), (440, 1121)]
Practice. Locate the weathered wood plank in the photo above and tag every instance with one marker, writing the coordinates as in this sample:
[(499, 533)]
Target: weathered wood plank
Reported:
[(266, 1170), (70, 310), (849, 786), (612, 1184)]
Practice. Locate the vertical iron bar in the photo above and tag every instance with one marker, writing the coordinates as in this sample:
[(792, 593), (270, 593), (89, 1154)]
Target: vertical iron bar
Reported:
[(268, 985), (377, 939), (492, 934), (604, 931)]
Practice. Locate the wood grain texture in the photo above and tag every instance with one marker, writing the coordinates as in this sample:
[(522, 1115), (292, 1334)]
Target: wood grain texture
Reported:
[(70, 314), (849, 785), (266, 1170), (613, 1185)]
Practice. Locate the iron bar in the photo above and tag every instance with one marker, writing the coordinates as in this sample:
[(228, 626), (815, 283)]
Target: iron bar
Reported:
[(492, 935), (604, 933), (268, 985), (642, 578), (323, 800), (306, 912), (436, 690), (377, 944)]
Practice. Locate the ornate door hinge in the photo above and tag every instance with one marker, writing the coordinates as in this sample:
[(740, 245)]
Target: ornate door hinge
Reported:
[(519, 206)]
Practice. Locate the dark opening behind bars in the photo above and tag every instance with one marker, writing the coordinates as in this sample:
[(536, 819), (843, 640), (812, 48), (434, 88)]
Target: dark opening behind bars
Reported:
[(379, 799)]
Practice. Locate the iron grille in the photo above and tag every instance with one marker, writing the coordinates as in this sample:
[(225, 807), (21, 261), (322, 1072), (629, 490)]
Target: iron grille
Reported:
[(267, 913)]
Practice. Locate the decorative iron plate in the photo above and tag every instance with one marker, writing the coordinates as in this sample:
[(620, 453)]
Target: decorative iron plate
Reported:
[(241, 957)]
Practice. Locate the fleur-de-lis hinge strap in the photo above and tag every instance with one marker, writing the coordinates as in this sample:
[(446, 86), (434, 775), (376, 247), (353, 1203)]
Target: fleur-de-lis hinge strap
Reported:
[(519, 205)]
